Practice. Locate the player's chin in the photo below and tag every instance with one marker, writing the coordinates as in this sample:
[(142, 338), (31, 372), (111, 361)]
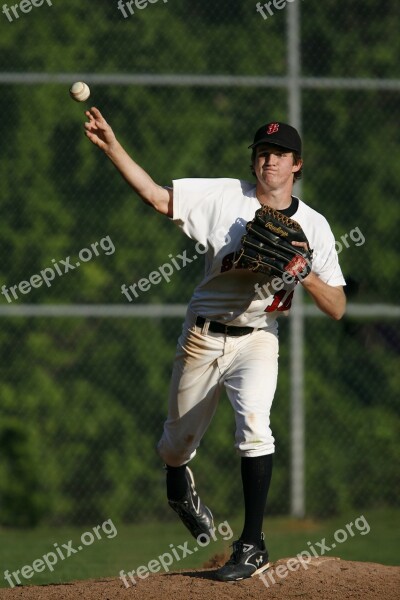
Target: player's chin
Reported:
[(268, 175), (269, 181)]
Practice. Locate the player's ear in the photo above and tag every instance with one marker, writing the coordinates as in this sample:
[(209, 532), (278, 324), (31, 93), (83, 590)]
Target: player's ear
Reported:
[(297, 164)]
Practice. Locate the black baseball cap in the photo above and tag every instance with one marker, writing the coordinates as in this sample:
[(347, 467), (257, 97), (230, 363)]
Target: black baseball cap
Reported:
[(279, 134)]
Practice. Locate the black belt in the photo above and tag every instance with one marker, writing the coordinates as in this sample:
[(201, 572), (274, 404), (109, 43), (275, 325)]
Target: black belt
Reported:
[(216, 327)]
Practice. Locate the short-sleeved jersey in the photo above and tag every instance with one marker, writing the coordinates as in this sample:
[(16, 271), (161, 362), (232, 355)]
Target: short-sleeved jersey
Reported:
[(214, 212)]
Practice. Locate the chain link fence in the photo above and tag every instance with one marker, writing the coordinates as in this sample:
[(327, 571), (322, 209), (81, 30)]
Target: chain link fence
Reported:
[(84, 368)]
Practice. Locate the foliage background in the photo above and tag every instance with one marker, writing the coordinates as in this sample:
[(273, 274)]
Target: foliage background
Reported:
[(83, 399)]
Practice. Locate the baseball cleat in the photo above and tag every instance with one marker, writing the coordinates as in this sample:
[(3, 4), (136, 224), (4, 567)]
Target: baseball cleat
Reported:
[(193, 513), (246, 561)]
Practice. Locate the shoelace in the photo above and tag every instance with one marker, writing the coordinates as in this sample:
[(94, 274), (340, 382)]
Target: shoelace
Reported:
[(237, 550)]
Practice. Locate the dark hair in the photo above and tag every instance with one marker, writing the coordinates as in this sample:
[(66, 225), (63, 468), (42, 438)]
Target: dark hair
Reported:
[(296, 159)]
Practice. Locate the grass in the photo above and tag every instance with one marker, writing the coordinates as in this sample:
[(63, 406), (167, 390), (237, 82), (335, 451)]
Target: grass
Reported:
[(136, 545)]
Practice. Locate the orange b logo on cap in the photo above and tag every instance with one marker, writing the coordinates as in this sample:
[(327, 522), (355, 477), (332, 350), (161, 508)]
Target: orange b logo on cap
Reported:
[(272, 128)]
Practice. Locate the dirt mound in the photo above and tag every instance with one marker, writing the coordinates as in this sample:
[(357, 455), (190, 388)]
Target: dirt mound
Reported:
[(322, 579)]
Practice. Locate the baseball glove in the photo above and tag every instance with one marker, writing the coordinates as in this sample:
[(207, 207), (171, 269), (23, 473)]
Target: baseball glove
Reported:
[(267, 245)]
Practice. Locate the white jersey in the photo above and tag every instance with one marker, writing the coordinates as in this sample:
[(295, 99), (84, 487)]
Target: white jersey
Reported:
[(214, 212)]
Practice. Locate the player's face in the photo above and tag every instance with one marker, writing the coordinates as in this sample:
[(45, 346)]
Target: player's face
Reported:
[(274, 166)]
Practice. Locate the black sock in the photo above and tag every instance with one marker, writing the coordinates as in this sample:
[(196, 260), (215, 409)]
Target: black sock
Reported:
[(256, 477), (177, 484)]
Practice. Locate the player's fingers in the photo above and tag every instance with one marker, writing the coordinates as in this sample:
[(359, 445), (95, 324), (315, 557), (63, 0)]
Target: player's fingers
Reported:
[(91, 126), (89, 115), (301, 245), (95, 117), (97, 114), (95, 139)]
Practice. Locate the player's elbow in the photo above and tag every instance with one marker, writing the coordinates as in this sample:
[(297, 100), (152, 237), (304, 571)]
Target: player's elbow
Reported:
[(339, 308), (338, 314), (161, 199)]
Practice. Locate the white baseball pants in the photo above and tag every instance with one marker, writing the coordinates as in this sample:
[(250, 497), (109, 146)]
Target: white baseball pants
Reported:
[(247, 366)]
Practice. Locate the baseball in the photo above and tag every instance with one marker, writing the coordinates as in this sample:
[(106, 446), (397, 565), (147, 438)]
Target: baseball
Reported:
[(79, 91)]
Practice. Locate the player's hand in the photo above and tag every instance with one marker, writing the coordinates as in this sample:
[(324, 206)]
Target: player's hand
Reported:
[(99, 131), (303, 245)]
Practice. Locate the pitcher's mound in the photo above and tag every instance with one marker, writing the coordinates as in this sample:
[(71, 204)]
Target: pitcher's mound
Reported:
[(325, 578)]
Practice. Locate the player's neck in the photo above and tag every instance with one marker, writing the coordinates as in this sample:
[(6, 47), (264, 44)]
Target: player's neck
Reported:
[(277, 198)]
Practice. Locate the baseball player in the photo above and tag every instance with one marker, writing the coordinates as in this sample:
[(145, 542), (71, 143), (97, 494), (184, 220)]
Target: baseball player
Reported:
[(230, 335)]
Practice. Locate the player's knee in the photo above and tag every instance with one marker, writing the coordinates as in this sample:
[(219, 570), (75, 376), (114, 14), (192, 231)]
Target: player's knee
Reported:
[(169, 459), (173, 455), (167, 455)]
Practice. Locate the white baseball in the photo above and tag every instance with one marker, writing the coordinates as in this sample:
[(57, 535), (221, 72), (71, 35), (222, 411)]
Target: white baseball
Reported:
[(79, 91)]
